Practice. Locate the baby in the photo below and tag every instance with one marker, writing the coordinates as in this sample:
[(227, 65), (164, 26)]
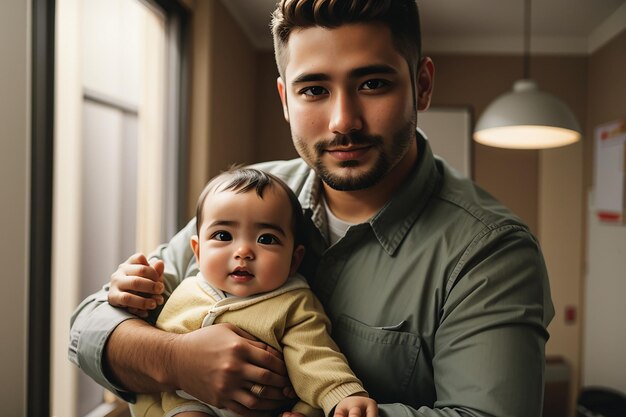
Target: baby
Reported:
[(249, 245)]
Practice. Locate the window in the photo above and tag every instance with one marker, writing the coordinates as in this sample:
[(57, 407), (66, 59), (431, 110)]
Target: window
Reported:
[(118, 146)]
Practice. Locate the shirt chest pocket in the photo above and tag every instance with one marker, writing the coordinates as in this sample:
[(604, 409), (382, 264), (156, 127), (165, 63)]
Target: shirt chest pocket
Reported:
[(383, 359)]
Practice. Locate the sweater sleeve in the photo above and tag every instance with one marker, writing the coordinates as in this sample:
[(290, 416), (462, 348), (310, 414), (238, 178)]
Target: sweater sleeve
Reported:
[(319, 372), (183, 313)]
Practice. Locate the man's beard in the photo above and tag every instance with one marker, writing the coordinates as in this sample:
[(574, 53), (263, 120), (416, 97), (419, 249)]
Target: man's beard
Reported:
[(400, 143)]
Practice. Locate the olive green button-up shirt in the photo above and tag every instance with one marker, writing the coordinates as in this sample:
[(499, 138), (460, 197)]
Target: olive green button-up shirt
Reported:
[(440, 301)]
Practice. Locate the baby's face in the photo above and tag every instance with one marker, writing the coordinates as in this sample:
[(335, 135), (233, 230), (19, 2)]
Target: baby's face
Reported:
[(246, 244)]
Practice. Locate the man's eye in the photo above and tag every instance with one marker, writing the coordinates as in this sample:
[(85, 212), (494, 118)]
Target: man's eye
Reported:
[(374, 84), (313, 91), (222, 236), (268, 239)]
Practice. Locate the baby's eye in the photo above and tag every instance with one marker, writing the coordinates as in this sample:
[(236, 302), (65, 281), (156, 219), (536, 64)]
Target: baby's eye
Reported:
[(222, 236), (313, 91), (268, 239), (374, 84)]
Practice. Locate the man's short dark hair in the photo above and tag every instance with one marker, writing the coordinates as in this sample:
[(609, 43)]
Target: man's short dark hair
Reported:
[(400, 16)]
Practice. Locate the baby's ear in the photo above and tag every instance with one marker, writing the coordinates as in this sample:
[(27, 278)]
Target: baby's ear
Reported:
[(195, 246), (296, 259)]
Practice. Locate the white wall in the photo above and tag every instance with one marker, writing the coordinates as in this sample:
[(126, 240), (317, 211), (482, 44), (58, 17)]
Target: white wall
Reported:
[(605, 290), (604, 336), (14, 212)]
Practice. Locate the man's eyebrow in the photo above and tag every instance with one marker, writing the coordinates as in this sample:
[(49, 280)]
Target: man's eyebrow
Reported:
[(305, 78), (372, 69), (355, 73)]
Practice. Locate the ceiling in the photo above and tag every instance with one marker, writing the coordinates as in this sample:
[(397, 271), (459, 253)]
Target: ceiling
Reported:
[(496, 26)]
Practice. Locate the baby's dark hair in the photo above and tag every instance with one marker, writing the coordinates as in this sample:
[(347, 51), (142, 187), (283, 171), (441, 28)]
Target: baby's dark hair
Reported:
[(243, 180)]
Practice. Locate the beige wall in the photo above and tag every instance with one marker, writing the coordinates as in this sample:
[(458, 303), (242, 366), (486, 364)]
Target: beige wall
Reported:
[(223, 95), (273, 136), (232, 93), (606, 93), (560, 215), (14, 183)]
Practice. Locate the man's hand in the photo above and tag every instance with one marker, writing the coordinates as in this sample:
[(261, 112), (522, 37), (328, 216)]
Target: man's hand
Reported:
[(219, 365), (356, 406), (137, 285)]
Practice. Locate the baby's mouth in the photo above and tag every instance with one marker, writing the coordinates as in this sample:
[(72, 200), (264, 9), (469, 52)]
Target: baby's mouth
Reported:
[(241, 273)]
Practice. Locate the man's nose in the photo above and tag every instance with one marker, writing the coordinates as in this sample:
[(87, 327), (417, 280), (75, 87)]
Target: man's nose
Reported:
[(346, 114), (244, 251)]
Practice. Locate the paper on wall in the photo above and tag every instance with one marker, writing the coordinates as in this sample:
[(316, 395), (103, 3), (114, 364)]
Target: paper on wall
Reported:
[(610, 171)]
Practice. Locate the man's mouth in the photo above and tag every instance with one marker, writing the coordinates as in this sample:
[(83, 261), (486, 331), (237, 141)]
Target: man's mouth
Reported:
[(348, 153), (349, 147)]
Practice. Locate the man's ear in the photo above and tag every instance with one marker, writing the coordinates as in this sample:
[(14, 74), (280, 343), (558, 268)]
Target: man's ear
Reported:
[(296, 259), (425, 83), (282, 92), (195, 247)]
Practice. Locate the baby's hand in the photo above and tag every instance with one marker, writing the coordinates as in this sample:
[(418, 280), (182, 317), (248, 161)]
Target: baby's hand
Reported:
[(356, 406), (137, 285)]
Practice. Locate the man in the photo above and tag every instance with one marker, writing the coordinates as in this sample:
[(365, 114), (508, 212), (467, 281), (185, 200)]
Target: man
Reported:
[(438, 295)]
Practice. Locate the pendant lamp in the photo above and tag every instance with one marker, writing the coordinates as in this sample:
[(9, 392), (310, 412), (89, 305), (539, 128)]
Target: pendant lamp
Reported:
[(526, 117)]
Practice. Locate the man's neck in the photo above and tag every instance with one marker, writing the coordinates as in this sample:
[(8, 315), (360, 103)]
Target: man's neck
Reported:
[(358, 206)]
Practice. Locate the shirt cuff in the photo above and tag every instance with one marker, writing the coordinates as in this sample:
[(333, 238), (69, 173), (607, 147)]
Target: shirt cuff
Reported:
[(87, 345)]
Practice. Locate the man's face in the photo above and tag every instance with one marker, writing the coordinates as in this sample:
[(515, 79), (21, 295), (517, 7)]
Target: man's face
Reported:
[(348, 97), (245, 245)]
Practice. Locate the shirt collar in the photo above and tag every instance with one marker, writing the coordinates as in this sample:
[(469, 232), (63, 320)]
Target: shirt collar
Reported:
[(394, 220), (391, 224)]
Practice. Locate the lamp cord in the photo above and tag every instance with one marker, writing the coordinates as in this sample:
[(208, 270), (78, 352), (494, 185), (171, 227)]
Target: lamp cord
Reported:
[(527, 11)]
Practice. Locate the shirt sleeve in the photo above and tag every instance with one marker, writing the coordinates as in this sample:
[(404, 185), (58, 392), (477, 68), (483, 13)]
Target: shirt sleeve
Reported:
[(94, 319), (489, 353)]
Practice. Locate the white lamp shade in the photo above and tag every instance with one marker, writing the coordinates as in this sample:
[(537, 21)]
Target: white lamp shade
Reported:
[(527, 118)]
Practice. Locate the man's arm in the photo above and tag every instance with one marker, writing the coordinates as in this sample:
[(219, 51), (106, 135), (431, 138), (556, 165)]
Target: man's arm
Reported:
[(136, 357), (488, 357), (216, 364), (95, 320)]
